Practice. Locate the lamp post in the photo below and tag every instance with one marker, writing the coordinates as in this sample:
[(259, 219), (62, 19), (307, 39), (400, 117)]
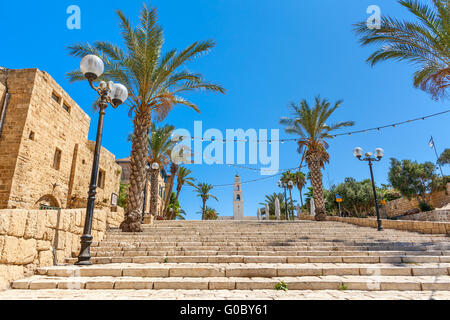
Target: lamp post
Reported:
[(110, 93), (145, 192), (379, 153), (290, 186), (282, 184)]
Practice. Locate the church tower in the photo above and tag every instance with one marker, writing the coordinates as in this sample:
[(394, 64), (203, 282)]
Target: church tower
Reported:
[(238, 202)]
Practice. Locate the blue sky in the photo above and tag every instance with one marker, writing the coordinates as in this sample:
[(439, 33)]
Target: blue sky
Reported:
[(268, 54)]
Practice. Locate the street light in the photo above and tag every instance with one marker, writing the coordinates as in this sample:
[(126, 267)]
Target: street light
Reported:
[(147, 169), (110, 93), (379, 153)]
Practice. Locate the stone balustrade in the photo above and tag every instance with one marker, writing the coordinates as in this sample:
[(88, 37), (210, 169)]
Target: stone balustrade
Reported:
[(30, 239)]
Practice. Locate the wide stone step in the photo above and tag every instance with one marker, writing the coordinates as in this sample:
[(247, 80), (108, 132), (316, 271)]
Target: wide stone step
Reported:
[(269, 258), (366, 283), (269, 270)]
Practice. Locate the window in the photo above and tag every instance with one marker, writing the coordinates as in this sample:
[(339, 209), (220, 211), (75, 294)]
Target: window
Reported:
[(66, 107), (238, 198), (56, 98), (31, 136), (57, 159), (101, 179)]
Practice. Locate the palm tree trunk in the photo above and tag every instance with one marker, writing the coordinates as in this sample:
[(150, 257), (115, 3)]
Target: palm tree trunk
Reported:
[(173, 172), (138, 161), (316, 181), (154, 192), (301, 196), (203, 209)]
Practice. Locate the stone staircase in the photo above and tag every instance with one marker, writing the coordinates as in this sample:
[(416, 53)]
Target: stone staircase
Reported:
[(328, 257)]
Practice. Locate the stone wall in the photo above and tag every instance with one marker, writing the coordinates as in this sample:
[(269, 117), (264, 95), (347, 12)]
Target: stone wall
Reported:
[(401, 206), (436, 215), (42, 118), (33, 238), (416, 226)]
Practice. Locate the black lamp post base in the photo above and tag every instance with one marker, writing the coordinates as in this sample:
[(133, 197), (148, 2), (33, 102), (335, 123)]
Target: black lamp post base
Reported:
[(84, 263), (380, 229)]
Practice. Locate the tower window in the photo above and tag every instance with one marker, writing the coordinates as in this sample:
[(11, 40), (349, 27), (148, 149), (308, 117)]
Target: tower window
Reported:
[(238, 198), (56, 98), (57, 159), (31, 136), (66, 107), (101, 179)]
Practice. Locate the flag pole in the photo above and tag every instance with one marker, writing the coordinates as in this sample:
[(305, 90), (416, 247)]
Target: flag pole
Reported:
[(437, 156)]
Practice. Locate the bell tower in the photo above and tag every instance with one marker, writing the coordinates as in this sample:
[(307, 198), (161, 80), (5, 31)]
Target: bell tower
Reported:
[(238, 202)]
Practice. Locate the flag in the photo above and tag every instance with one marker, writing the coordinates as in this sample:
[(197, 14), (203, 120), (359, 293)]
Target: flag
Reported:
[(431, 143)]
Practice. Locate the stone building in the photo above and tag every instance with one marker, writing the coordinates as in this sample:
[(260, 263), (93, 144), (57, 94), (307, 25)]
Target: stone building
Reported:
[(125, 164), (45, 155)]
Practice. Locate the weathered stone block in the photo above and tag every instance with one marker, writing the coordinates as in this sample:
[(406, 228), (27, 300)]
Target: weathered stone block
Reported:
[(27, 252), (4, 222), (46, 258), (10, 250), (43, 245), (17, 223), (30, 228)]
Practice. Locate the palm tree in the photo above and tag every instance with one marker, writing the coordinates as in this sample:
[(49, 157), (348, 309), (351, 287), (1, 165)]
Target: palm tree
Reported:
[(169, 187), (211, 214), (425, 42), (310, 125), (155, 84), (300, 182), (270, 200), (183, 177), (160, 146), (203, 191)]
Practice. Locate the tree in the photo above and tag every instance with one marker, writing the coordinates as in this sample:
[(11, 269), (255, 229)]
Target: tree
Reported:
[(211, 214), (160, 146), (155, 84), (183, 177), (176, 213), (414, 180), (270, 200), (299, 182), (123, 195), (357, 197), (425, 42), (310, 125), (203, 191), (169, 188), (444, 158)]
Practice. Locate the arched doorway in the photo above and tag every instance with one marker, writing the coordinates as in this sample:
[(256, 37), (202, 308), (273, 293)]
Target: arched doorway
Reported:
[(47, 202)]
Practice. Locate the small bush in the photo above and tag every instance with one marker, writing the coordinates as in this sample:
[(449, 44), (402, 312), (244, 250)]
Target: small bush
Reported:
[(281, 286), (424, 207)]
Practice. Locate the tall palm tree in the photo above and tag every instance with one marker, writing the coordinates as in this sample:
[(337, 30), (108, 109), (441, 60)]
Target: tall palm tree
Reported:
[(160, 146), (203, 191), (300, 182), (310, 125), (183, 177), (155, 83), (425, 42)]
